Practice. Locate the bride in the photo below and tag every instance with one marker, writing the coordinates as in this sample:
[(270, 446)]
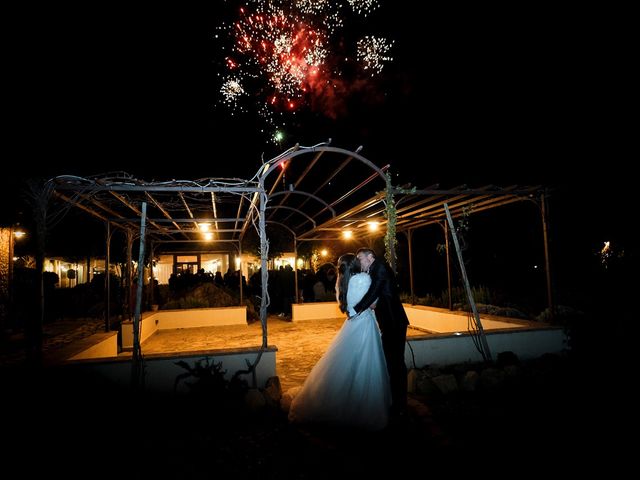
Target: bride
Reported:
[(349, 386)]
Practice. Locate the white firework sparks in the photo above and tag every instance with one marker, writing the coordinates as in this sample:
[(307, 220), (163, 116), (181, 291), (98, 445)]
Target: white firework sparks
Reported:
[(363, 7), (231, 91), (312, 6), (372, 53), (288, 53)]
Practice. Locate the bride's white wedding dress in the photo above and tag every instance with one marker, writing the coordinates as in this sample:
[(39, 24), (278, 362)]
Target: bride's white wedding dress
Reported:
[(349, 386)]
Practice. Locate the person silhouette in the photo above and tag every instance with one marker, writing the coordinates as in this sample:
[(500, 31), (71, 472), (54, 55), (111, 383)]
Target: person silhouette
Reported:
[(384, 298), (349, 386)]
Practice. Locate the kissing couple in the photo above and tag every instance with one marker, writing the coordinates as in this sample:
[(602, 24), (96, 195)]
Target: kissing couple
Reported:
[(361, 380)]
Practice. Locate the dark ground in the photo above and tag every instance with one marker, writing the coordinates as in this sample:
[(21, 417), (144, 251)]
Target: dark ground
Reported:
[(562, 414)]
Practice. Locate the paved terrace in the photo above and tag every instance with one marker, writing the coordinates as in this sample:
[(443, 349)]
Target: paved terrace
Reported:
[(300, 344)]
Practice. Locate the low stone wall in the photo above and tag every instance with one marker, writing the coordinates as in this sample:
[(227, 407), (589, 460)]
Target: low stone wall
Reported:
[(162, 371), (441, 320), (431, 319), (188, 318), (446, 349), (315, 311), (103, 345), (98, 345)]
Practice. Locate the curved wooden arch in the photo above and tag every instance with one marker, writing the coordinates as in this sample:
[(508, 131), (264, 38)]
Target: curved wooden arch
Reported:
[(322, 148)]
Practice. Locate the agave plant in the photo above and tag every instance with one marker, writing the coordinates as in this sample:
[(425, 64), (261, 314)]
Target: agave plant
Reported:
[(208, 377)]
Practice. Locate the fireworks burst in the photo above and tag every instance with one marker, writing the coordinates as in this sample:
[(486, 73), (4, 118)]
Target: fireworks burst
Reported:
[(372, 53), (363, 7), (282, 53), (288, 53), (231, 91)]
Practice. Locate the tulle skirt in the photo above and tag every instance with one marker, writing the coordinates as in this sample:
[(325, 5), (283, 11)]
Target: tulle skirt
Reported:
[(349, 386)]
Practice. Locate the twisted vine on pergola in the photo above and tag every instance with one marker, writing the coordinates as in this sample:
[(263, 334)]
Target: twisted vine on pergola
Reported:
[(314, 193)]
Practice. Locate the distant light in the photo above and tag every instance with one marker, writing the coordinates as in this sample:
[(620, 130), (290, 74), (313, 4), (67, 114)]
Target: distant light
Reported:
[(300, 263), (323, 252), (457, 333), (373, 226), (606, 254), (204, 227), (347, 234), (535, 267), (19, 234), (208, 236), (278, 136)]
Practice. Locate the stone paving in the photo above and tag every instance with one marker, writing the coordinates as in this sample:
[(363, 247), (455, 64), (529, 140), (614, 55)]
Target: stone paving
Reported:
[(56, 336), (300, 344)]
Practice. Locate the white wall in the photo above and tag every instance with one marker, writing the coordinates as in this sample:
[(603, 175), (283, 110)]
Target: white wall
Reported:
[(161, 370), (441, 320), (189, 318), (451, 349)]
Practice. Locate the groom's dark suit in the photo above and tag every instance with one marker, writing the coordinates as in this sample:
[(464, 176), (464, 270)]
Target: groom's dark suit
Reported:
[(393, 322)]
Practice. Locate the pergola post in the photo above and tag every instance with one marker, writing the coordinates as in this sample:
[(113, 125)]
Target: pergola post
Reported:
[(264, 254), (410, 242), (240, 271), (107, 281), (295, 266), (484, 350), (129, 237), (151, 277), (136, 368), (390, 235), (88, 276), (446, 252), (545, 227)]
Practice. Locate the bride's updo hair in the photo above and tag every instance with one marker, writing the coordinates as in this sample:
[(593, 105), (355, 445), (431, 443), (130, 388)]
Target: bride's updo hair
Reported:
[(348, 265)]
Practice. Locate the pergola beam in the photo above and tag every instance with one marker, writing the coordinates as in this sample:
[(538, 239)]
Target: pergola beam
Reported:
[(161, 208), (180, 220), (133, 207), (349, 193), (84, 208), (286, 193)]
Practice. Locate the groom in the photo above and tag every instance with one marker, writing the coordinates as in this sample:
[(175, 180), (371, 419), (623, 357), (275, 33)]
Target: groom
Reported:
[(392, 320)]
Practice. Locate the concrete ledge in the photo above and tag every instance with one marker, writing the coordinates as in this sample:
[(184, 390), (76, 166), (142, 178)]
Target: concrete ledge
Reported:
[(441, 320), (106, 346), (161, 371), (315, 311), (148, 326), (447, 349), (98, 345), (189, 318)]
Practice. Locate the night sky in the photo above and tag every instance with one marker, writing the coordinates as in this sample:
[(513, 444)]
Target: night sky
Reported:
[(483, 95)]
